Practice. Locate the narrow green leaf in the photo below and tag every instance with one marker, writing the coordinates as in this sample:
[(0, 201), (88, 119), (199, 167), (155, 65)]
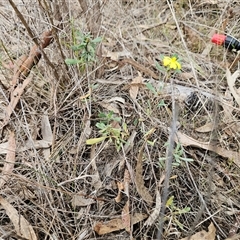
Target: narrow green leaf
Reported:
[(170, 201), (160, 68), (101, 125), (97, 40), (151, 143), (70, 61), (178, 223), (186, 159), (184, 210), (161, 103), (76, 47), (92, 141), (151, 88)]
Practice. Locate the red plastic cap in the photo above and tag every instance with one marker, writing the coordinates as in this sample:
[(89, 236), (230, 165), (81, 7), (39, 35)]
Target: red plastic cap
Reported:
[(218, 39)]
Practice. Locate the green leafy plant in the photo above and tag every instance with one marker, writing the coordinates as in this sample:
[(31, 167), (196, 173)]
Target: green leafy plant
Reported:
[(109, 117), (156, 92), (175, 212), (110, 128), (151, 88), (178, 156), (84, 49)]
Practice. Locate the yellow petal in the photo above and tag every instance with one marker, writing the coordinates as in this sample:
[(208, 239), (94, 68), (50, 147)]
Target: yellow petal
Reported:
[(178, 65), (166, 61), (173, 65)]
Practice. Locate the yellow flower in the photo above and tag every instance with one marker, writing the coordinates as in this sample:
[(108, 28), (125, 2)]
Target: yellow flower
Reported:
[(171, 63)]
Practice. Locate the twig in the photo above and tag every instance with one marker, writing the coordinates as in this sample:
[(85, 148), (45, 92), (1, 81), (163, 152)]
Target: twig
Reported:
[(169, 159), (39, 46), (139, 67)]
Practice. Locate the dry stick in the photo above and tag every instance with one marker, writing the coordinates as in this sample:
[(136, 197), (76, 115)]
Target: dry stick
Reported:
[(168, 165), (21, 73), (55, 189), (95, 18), (236, 61), (40, 45), (138, 66), (35, 53), (32, 59), (20, 16), (58, 17)]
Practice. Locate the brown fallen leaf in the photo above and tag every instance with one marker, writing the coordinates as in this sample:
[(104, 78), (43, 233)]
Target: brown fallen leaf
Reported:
[(208, 127), (39, 144), (46, 128), (10, 159), (22, 226), (134, 86), (113, 107), (46, 134), (203, 235), (116, 224), (79, 200), (188, 141), (155, 214), (120, 188)]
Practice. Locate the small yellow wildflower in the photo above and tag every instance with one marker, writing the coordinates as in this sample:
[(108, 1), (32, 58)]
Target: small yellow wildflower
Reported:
[(171, 63)]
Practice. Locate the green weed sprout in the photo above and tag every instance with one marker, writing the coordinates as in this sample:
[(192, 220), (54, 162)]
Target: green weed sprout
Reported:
[(110, 129), (178, 156), (175, 212), (85, 49)]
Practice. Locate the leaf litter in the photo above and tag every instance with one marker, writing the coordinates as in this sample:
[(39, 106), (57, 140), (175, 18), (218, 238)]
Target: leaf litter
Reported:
[(46, 126), (22, 227), (10, 160)]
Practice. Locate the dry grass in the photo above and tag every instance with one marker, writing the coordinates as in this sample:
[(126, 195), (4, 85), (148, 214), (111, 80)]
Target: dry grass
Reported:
[(45, 181)]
